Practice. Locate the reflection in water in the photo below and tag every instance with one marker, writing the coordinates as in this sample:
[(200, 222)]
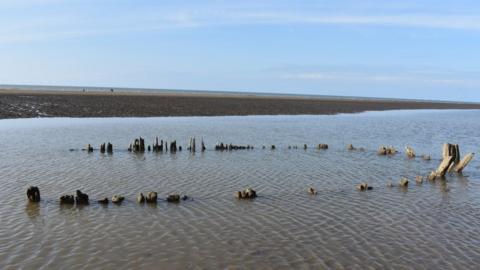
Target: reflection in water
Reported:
[(284, 227), (462, 180), (443, 185), (32, 209)]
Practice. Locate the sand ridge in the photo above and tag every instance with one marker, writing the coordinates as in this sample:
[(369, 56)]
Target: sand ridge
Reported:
[(30, 103)]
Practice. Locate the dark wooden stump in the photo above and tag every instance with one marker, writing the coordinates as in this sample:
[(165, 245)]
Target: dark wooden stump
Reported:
[(109, 148), (81, 198), (33, 194)]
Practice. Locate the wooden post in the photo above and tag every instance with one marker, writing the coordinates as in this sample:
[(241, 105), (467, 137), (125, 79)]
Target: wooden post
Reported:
[(191, 144), (109, 148), (445, 150), (203, 146), (173, 146), (403, 182), (102, 148), (462, 164), (81, 198), (442, 168), (155, 146), (410, 152), (135, 145), (142, 145), (33, 194)]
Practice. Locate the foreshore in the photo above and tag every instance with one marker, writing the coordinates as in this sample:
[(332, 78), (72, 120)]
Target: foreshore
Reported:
[(30, 103)]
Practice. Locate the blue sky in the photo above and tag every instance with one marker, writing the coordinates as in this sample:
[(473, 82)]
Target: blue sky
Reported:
[(406, 49)]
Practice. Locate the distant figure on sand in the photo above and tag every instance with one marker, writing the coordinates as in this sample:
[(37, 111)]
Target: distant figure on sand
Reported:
[(111, 90)]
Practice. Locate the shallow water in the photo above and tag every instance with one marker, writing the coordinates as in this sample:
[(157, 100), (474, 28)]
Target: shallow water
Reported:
[(430, 226)]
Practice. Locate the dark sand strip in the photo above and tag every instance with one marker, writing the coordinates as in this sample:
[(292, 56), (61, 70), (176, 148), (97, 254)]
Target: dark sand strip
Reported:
[(27, 104)]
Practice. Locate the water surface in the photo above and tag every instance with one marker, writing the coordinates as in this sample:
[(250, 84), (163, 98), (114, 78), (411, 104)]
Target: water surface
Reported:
[(430, 226)]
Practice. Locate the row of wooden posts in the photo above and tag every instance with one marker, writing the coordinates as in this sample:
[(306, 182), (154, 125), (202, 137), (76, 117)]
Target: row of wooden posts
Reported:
[(33, 195), (138, 146), (451, 162), (451, 159)]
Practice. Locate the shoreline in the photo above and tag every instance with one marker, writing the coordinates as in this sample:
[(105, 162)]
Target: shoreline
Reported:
[(32, 104)]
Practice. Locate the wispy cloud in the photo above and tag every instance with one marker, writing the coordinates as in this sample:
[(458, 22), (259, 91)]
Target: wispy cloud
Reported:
[(382, 78), (75, 19), (441, 21)]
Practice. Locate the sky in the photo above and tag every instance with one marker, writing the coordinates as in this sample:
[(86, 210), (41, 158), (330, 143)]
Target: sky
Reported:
[(401, 49)]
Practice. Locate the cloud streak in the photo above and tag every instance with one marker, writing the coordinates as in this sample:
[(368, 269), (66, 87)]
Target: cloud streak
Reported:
[(357, 77), (453, 22), (72, 23)]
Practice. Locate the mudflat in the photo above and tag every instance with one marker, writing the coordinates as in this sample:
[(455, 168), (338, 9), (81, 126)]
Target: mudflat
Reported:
[(31, 103)]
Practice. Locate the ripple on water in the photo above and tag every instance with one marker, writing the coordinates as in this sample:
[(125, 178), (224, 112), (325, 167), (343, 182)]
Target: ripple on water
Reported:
[(432, 225)]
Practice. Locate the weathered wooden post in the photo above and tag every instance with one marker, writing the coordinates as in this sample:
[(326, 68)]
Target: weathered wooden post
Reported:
[(33, 194), (442, 168), (191, 144), (81, 198), (173, 198), (140, 198), (117, 199), (363, 187), (410, 152), (102, 148), (419, 179), (323, 146), (155, 145), (464, 162), (173, 146), (203, 146), (142, 145), (67, 199), (248, 193), (386, 150), (109, 148), (403, 182), (451, 161), (151, 197), (136, 146)]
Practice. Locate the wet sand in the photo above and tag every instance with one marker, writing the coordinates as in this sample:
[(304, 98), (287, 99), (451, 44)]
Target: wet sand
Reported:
[(28, 103)]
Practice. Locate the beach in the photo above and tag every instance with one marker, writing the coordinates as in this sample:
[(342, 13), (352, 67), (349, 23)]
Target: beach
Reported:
[(31, 103)]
